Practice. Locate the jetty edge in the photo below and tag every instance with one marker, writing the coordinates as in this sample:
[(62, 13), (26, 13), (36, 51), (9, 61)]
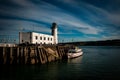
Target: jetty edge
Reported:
[(33, 54)]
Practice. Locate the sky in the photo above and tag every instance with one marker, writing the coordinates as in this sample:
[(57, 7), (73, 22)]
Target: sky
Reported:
[(77, 20)]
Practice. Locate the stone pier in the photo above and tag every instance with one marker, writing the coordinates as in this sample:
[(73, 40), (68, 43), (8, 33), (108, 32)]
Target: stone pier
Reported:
[(32, 54)]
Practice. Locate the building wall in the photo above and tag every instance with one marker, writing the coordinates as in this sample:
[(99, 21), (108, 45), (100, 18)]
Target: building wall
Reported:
[(42, 38), (24, 37), (36, 38)]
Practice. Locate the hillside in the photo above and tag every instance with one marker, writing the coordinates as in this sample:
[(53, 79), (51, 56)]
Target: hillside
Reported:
[(96, 43)]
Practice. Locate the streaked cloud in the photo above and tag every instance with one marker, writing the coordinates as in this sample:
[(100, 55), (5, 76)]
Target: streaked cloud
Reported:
[(72, 16)]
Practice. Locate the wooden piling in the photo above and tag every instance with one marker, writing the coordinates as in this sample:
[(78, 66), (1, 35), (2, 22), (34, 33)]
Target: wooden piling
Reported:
[(13, 55), (1, 55)]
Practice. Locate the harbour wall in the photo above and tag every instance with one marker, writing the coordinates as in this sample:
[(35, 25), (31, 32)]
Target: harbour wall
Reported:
[(32, 54)]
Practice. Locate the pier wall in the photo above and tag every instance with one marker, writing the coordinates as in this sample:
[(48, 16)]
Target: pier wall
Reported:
[(32, 54)]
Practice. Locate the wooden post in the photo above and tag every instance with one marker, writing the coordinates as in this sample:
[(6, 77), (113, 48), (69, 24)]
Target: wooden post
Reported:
[(1, 55), (19, 55), (8, 51), (4, 55), (38, 55), (22, 55), (32, 55), (18, 51), (43, 58), (11, 54), (59, 52), (25, 54), (28, 56)]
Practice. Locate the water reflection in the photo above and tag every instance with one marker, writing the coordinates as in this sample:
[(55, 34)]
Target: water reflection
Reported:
[(97, 63), (75, 60)]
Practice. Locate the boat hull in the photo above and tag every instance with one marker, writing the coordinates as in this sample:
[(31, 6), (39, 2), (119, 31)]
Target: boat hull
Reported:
[(74, 55)]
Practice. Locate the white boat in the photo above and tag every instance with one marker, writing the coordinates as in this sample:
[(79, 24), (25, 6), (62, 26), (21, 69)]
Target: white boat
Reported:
[(73, 53)]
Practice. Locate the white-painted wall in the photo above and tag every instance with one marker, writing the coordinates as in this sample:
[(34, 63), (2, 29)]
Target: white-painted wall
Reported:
[(46, 39), (30, 37), (55, 36)]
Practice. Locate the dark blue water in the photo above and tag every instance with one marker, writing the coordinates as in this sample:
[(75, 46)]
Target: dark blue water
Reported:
[(97, 63)]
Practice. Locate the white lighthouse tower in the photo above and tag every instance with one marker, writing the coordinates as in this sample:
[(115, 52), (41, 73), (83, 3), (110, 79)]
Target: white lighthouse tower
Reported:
[(54, 33)]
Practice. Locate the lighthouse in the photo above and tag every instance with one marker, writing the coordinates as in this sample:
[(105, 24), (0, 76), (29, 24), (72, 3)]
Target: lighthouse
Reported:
[(39, 38), (54, 33)]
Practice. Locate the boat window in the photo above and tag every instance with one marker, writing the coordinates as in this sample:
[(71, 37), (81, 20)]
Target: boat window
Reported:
[(71, 51)]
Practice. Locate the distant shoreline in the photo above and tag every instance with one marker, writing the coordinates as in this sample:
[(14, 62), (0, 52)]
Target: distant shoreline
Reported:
[(95, 43)]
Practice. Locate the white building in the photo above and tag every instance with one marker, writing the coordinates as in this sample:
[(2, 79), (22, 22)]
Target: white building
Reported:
[(38, 38)]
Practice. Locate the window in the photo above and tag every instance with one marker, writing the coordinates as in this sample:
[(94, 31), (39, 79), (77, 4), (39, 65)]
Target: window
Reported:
[(22, 41), (40, 38), (51, 39), (44, 38), (36, 37), (48, 38)]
